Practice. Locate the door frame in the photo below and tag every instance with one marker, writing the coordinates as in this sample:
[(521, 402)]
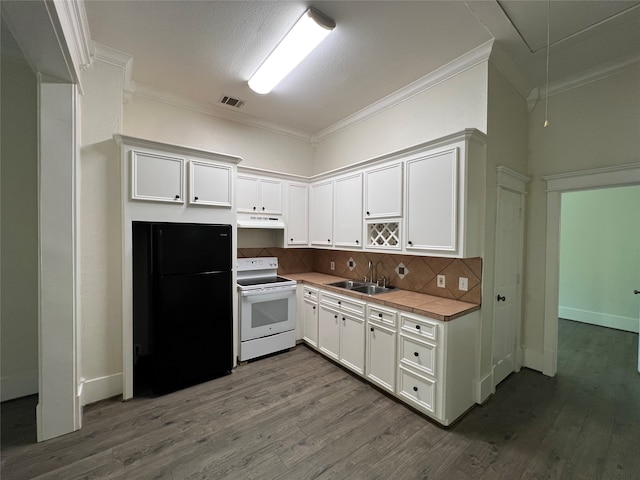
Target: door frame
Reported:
[(507, 179), (618, 176)]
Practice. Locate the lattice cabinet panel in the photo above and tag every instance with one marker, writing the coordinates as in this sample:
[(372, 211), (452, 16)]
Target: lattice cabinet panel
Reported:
[(384, 235)]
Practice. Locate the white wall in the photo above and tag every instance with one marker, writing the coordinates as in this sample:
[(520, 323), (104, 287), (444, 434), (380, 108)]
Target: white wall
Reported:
[(507, 129), (600, 257), (591, 126), (258, 147), (450, 106), (100, 232), (19, 242)]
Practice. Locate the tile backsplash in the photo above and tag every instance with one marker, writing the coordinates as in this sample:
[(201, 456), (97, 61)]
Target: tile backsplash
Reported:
[(408, 272)]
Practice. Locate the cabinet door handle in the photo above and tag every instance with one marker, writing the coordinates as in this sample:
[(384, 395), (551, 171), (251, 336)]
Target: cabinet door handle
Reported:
[(357, 242), (263, 209), (339, 303), (415, 389), (254, 209), (328, 240), (195, 198), (500, 298), (291, 240), (372, 329), (415, 354), (177, 197), (636, 292), (368, 213), (314, 307), (335, 316), (380, 315), (410, 242), (417, 327)]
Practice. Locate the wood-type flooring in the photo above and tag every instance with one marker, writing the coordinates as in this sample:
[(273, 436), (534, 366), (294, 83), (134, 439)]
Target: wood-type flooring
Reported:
[(298, 416)]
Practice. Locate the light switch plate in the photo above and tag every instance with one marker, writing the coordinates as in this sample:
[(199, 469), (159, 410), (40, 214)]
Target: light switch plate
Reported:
[(463, 284), (441, 282), (333, 265)]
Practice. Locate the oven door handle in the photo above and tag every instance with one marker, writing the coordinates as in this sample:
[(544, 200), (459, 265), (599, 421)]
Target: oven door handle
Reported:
[(274, 291)]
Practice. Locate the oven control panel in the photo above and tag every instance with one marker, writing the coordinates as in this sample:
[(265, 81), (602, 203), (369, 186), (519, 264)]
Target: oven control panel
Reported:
[(257, 263)]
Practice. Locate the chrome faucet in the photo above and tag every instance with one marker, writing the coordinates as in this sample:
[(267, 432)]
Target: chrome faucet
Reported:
[(372, 272)]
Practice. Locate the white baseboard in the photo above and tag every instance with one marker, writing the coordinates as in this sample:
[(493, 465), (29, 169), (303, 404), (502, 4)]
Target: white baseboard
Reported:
[(600, 319), (95, 389), (19, 385), (533, 359), (484, 387)]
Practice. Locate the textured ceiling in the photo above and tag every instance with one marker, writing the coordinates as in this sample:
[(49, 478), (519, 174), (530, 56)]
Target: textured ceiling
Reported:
[(202, 50)]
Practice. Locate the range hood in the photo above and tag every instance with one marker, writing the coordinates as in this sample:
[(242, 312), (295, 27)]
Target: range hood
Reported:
[(260, 221)]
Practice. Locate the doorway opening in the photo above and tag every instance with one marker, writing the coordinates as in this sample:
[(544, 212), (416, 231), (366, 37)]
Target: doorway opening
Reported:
[(625, 175)]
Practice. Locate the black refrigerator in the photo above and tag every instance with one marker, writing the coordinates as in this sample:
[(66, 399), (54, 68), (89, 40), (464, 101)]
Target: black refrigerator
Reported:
[(182, 300)]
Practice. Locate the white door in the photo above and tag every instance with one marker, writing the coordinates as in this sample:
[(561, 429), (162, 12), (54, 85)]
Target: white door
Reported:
[(506, 298)]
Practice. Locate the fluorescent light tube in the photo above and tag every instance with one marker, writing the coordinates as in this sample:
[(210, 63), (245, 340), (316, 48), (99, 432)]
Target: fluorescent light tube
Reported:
[(305, 35)]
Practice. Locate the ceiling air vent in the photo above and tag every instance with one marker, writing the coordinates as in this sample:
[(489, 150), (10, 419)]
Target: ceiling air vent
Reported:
[(232, 102)]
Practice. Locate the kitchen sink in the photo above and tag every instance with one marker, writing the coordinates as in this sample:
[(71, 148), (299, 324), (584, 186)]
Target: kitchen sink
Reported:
[(348, 284), (372, 289), (361, 287)]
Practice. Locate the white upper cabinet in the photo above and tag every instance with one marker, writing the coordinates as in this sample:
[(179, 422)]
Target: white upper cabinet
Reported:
[(271, 195), (432, 196), (157, 177), (383, 191), (259, 195), (347, 217), (297, 218), (321, 213), (210, 184)]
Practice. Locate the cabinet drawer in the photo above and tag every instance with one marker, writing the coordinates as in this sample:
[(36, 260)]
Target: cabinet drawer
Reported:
[(419, 326), (418, 354), (381, 315), (310, 294), (342, 303), (417, 390)]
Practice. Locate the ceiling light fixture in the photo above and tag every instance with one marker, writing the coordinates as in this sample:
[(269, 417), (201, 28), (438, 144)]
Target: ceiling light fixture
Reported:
[(305, 35)]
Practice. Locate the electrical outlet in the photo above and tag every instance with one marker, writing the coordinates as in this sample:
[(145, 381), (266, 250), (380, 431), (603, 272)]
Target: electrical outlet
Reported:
[(463, 284), (441, 283), (333, 265)]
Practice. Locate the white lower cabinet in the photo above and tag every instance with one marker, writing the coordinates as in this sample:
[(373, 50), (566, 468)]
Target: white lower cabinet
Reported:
[(380, 364), (352, 342), (426, 363), (329, 332), (341, 330), (310, 315)]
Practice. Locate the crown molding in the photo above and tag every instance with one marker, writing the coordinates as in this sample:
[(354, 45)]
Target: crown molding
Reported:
[(119, 59), (126, 140), (146, 91), (468, 60), (73, 19), (588, 76)]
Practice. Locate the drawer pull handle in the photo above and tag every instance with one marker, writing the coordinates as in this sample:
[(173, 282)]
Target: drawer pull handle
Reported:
[(339, 303), (415, 354), (417, 327), (372, 329), (380, 315), (415, 389)]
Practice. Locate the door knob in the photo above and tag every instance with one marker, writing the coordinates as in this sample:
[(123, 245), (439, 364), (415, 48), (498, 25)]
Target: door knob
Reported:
[(500, 298), (636, 292)]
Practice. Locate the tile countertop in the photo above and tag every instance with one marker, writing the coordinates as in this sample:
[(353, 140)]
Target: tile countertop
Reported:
[(443, 309)]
